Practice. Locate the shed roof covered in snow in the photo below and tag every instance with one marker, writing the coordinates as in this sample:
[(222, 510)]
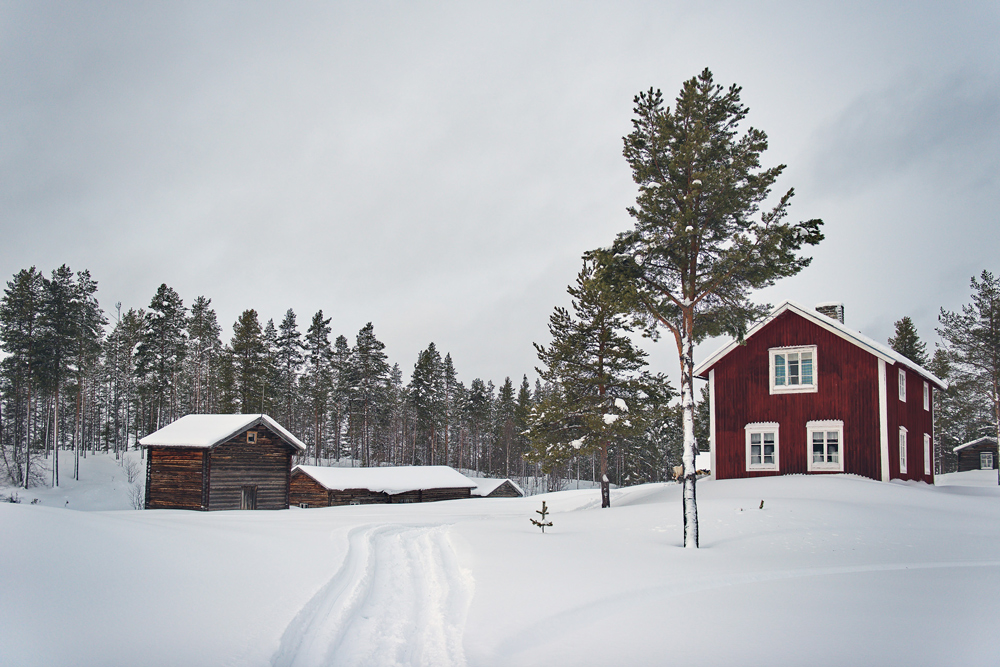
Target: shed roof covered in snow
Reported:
[(392, 480), (485, 485), (207, 431), (985, 440)]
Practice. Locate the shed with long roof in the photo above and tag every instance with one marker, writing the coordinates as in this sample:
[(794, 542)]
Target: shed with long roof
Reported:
[(220, 462), (321, 486)]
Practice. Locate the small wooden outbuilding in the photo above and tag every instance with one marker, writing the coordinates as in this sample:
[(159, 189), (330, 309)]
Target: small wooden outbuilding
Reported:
[(496, 488), (220, 462), (979, 454), (320, 486)]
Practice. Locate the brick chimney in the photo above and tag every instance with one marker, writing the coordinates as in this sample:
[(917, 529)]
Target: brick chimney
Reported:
[(832, 309)]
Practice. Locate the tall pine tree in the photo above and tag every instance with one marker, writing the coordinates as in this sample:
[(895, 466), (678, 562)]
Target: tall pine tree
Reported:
[(598, 376), (698, 247)]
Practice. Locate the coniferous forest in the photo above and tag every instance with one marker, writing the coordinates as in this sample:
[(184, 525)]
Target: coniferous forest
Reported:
[(78, 378)]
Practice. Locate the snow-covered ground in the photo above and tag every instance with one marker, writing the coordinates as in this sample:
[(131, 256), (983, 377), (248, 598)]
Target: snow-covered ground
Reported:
[(834, 570)]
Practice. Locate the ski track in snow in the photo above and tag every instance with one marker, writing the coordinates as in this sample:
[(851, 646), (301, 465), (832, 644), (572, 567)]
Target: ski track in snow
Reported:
[(400, 598)]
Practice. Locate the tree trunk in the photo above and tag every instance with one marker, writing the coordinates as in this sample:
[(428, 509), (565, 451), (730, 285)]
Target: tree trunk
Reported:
[(27, 438), (76, 435), (605, 482), (690, 504), (55, 442)]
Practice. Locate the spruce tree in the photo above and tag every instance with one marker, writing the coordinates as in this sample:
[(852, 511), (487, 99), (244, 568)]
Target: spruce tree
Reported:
[(317, 378), (289, 361), (698, 247), (908, 343), (162, 351), (972, 343), (88, 332), (598, 376), (249, 359), (427, 401), (505, 416), (371, 375), (341, 390), (20, 312), (57, 334), (203, 332)]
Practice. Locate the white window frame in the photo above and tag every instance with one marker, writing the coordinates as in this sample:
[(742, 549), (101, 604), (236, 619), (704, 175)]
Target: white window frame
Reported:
[(902, 450), (986, 457), (813, 387), (902, 385), (927, 396), (825, 426), (761, 428), (927, 453)]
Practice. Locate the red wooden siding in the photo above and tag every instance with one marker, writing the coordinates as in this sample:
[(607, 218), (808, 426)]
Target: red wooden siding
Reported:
[(847, 383), (914, 418)]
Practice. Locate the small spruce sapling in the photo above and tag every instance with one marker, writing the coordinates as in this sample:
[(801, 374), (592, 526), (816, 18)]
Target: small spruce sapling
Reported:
[(543, 523)]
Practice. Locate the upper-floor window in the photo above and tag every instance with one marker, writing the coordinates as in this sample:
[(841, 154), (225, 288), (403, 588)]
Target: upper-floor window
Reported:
[(902, 450), (826, 445), (927, 396), (793, 369), (927, 453), (762, 446), (902, 385)]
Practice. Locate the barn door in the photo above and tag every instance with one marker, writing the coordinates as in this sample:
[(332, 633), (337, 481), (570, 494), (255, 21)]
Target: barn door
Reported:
[(249, 499)]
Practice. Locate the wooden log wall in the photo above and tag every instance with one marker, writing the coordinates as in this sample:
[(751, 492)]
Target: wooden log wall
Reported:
[(357, 497), (174, 478), (304, 490), (968, 458), (505, 490), (236, 463), (431, 495)]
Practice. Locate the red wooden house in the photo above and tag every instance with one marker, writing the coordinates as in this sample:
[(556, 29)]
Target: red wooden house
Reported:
[(806, 394)]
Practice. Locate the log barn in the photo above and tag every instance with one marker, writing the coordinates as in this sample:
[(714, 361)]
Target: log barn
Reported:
[(495, 488), (220, 462), (979, 454), (806, 394), (320, 486)]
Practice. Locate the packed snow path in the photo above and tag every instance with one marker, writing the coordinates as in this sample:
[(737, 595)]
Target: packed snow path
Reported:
[(400, 598)]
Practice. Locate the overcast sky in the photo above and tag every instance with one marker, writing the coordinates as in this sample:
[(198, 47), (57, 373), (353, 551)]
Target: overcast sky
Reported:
[(439, 168)]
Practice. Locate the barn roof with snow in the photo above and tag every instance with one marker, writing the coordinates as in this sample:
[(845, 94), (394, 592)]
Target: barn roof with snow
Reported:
[(985, 440), (858, 339), (392, 480), (207, 431), (486, 486)]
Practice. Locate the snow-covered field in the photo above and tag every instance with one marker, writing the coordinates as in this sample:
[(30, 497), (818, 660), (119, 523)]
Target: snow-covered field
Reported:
[(834, 570)]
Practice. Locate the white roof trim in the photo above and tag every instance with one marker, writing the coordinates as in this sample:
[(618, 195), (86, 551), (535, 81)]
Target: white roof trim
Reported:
[(833, 326), (200, 431)]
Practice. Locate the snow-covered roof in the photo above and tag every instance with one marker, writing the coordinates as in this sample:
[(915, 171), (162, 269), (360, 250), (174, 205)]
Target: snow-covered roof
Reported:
[(206, 431), (391, 480), (487, 485), (975, 443), (834, 326)]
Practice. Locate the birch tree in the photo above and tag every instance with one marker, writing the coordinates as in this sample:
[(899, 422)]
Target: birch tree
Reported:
[(701, 242)]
